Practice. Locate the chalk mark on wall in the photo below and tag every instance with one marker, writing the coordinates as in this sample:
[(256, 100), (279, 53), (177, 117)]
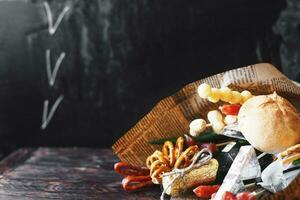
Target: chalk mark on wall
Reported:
[(53, 27), (52, 75), (48, 116)]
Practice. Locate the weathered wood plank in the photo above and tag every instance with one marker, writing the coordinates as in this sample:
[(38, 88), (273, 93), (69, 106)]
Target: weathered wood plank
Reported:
[(65, 173), (73, 157), (57, 172), (71, 174), (66, 190), (14, 159)]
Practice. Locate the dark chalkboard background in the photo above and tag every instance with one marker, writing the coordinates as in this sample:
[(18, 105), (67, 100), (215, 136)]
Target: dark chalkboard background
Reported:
[(122, 56)]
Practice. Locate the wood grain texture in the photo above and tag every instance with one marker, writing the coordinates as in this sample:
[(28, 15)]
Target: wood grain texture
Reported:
[(78, 173), (64, 173)]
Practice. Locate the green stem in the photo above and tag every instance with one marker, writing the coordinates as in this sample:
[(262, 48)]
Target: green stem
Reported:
[(296, 162), (204, 138)]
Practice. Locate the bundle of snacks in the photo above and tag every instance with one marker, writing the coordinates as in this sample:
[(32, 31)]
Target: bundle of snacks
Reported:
[(204, 174), (270, 123), (171, 159)]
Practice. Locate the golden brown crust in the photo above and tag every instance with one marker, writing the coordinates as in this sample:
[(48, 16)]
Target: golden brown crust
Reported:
[(157, 155), (187, 157), (270, 123), (169, 152)]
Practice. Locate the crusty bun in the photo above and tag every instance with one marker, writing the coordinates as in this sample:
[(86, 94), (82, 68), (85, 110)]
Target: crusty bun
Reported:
[(270, 123)]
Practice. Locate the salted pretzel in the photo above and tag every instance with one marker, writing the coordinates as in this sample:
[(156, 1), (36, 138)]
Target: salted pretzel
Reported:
[(170, 157), (157, 155), (157, 169), (179, 147), (169, 152), (186, 158), (291, 150), (291, 158)]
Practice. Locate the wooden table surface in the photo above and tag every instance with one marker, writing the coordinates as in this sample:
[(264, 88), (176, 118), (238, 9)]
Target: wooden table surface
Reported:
[(78, 173), (64, 173)]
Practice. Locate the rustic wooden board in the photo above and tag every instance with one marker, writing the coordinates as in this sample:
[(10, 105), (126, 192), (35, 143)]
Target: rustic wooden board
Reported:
[(64, 173), (77, 173)]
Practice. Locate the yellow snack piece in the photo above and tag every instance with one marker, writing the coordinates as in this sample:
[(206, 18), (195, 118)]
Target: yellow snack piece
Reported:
[(215, 95), (236, 98), (246, 95), (226, 94)]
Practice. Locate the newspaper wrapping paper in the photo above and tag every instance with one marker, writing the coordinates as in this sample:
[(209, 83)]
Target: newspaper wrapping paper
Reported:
[(171, 116)]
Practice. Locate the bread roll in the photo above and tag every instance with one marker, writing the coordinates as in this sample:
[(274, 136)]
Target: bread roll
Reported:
[(270, 123)]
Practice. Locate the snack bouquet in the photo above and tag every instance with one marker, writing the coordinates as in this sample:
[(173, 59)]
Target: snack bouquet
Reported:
[(234, 135)]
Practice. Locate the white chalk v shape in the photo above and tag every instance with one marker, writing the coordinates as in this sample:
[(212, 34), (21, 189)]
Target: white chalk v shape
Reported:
[(52, 76), (47, 117), (53, 27)]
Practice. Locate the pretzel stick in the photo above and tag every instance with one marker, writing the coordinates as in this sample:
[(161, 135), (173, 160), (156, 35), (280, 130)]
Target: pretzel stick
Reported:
[(291, 158)]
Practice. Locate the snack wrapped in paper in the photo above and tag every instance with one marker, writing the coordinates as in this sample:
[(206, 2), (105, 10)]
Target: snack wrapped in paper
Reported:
[(202, 175)]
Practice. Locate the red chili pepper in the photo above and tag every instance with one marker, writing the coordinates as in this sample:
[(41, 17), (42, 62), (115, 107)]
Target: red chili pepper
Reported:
[(230, 109), (127, 169), (229, 196), (205, 191), (132, 183), (245, 196)]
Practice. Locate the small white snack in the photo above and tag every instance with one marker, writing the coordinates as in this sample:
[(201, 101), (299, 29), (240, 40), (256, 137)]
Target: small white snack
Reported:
[(216, 120), (197, 126), (246, 95), (230, 119)]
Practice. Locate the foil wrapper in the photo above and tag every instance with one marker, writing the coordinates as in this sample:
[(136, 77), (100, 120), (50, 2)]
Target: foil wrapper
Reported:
[(245, 166), (276, 176)]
